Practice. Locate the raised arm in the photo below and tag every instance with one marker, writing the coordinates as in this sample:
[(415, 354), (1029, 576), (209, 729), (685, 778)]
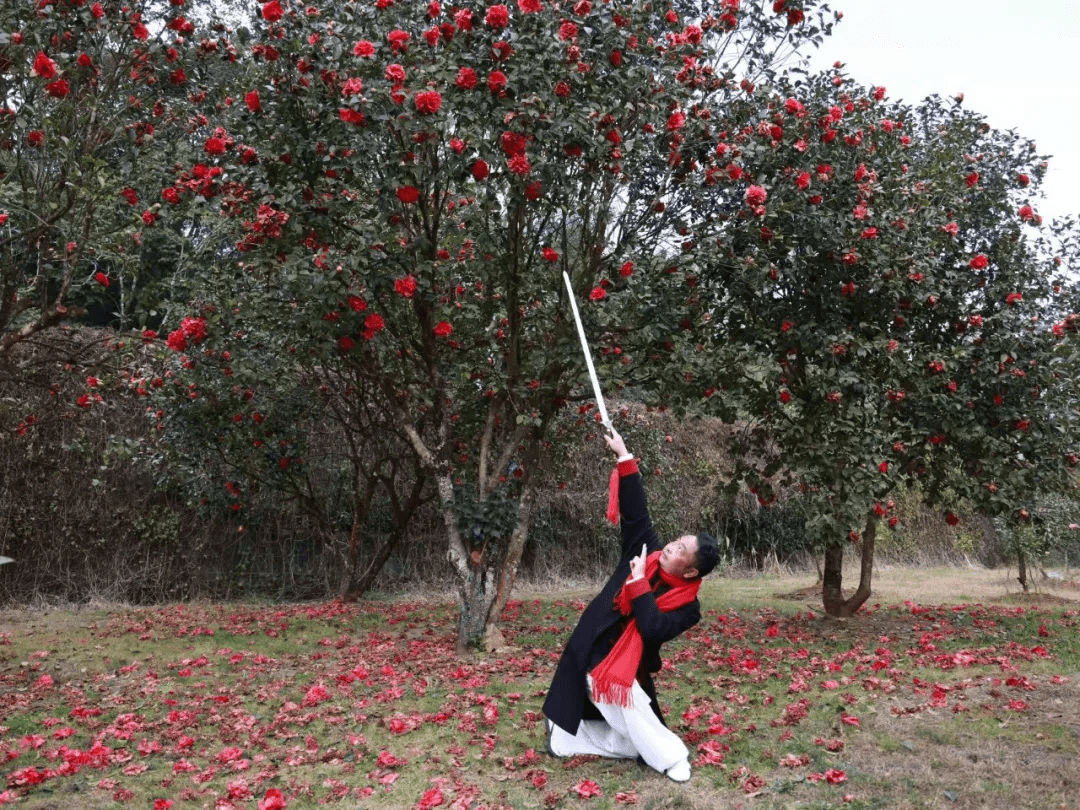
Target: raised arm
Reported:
[(636, 524)]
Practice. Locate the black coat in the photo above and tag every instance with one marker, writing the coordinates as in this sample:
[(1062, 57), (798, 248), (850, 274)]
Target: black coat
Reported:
[(601, 624)]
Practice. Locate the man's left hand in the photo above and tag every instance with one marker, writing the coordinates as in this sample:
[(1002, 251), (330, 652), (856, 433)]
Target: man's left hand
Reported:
[(637, 564)]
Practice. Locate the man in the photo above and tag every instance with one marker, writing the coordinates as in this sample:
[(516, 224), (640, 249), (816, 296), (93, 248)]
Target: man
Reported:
[(602, 699)]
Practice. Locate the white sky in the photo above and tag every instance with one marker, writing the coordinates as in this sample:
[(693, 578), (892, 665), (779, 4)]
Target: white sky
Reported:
[(1016, 61)]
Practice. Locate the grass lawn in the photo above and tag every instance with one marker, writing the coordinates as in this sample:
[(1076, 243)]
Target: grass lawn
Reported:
[(949, 690)]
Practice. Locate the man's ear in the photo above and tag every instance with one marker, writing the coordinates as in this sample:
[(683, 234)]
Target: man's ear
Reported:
[(690, 573)]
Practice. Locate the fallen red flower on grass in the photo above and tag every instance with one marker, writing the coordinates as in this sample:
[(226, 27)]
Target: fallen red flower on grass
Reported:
[(587, 788)]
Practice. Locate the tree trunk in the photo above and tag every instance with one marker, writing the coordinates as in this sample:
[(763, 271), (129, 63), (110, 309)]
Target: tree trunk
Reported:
[(361, 583), (477, 592), (832, 591), (1022, 564), (507, 573)]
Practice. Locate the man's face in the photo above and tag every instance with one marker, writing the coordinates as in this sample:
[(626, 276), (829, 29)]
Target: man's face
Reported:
[(677, 557)]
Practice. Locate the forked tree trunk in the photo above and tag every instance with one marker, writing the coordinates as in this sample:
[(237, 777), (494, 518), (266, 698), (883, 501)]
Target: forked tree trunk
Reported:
[(360, 582), (832, 592), (1022, 565)]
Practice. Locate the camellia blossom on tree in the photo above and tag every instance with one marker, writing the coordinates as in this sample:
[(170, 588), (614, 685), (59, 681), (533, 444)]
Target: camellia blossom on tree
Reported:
[(44, 67)]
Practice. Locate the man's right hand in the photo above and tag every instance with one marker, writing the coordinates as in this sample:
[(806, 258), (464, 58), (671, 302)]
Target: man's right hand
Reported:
[(616, 443)]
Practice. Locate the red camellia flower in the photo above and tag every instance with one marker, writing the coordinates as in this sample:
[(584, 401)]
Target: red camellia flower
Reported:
[(149, 218), (529, 6), (215, 145), (756, 195), (363, 49), (373, 324), (978, 262), (427, 102), (97, 11), (1013, 298), (785, 396), (273, 800), (512, 143), (627, 269), (35, 137), (597, 294), (351, 116), (496, 81), (170, 195), (58, 89), (480, 170), (972, 179), (408, 194), (272, 11), (176, 340), (498, 16), (443, 329), (951, 519), (463, 19), (44, 67), (550, 254), (251, 98), (395, 73), (398, 40), (101, 279), (519, 165), (587, 788), (466, 79), (833, 397), (405, 286)]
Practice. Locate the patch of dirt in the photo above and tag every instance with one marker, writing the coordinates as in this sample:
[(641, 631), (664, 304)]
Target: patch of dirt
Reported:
[(810, 592), (1036, 599)]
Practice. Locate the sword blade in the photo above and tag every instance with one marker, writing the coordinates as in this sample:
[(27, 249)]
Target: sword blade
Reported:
[(605, 420)]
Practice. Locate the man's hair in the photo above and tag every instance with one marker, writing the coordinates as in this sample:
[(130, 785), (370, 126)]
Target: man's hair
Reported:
[(708, 554)]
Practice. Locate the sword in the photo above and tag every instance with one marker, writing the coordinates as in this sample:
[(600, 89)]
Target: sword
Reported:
[(605, 420)]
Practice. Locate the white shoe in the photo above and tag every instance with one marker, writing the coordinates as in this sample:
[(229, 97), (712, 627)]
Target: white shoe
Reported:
[(679, 772)]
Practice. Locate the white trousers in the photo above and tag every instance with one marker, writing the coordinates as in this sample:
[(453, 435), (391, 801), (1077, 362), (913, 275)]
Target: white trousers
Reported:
[(623, 734)]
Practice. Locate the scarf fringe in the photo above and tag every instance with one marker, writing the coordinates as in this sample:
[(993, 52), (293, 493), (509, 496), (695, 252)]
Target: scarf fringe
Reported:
[(613, 497), (612, 693)]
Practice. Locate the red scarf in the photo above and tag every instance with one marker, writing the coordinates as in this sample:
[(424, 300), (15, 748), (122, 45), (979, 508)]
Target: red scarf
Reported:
[(613, 678)]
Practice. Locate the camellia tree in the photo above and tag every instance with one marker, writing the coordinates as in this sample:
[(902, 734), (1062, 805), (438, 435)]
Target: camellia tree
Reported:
[(416, 178), (870, 284), (95, 98)]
